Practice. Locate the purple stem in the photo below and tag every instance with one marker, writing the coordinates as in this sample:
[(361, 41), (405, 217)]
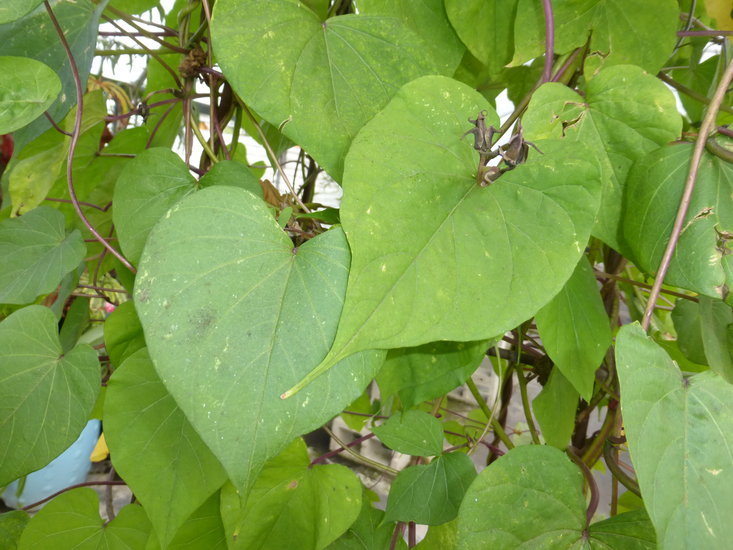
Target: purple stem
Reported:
[(705, 33), (549, 40), (329, 454), (56, 126), (75, 139)]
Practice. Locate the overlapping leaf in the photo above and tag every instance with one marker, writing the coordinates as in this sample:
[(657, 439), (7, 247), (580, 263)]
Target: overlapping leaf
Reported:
[(322, 79), (619, 31), (233, 316), (46, 394), (72, 520), (532, 497), (26, 90), (468, 262), (574, 329), (702, 259), (155, 449), (412, 432), (555, 409), (625, 114), (680, 434), (36, 253)]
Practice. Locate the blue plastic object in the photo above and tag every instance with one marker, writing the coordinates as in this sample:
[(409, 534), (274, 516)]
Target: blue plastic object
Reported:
[(69, 468)]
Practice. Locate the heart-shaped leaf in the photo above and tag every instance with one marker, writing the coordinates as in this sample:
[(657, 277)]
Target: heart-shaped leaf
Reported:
[(15, 9), (27, 88), (532, 497), (469, 262), (233, 315), (680, 432), (325, 79), (155, 448), (702, 259), (72, 520), (36, 254), (412, 432), (46, 394), (574, 329), (430, 494), (625, 114), (292, 498), (555, 408)]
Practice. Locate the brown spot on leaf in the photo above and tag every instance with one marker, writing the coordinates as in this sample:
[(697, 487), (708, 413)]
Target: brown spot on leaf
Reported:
[(293, 484)]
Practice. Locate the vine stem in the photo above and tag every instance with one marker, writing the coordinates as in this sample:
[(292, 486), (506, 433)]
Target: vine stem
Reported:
[(708, 125), (498, 429), (690, 92), (75, 138), (70, 487), (549, 40)]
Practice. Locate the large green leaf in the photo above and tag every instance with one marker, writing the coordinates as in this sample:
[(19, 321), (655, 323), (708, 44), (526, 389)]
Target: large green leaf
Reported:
[(148, 186), (26, 90), (532, 497), (323, 79), (15, 9), (72, 520), (203, 530), (36, 254), (428, 20), (486, 28), (468, 262), (680, 434), (233, 315), (155, 449), (575, 330), (12, 525), (123, 333), (425, 372), (46, 394), (412, 432), (293, 505), (625, 114), (702, 259), (430, 494), (688, 325), (619, 30), (34, 36)]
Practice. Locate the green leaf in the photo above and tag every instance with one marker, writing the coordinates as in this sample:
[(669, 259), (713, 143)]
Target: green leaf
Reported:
[(36, 254), (428, 371), (440, 537), (123, 333), (33, 36), (15, 9), (234, 315), (547, 508), (294, 506), (46, 394), (12, 525), (428, 20), (702, 261), (148, 186), (575, 330), (469, 262), (486, 28), (234, 173), (680, 432), (412, 432), (155, 449), (134, 7), (368, 532), (555, 409), (324, 80), (626, 113), (689, 326), (76, 321), (717, 318), (430, 494), (620, 31), (72, 520), (27, 88)]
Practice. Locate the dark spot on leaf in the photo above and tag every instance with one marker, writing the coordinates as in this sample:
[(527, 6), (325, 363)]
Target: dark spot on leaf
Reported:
[(295, 250), (202, 320), (293, 484)]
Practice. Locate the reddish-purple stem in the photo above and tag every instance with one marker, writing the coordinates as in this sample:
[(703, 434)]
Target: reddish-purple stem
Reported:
[(705, 33), (56, 126), (69, 488), (158, 124), (549, 40), (79, 202), (329, 454), (75, 139)]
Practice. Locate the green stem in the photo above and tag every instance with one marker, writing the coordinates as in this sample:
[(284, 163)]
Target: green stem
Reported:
[(617, 472), (690, 92), (361, 458), (203, 142), (595, 449), (525, 405), (498, 429)]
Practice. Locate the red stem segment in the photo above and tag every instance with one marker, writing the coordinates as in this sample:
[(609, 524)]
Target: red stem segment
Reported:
[(75, 139), (549, 40)]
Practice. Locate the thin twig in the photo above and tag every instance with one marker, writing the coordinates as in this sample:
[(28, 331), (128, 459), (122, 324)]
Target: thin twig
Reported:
[(604, 275), (158, 125), (690, 92), (69, 488), (56, 126), (89, 204), (549, 40), (75, 138), (152, 36), (273, 158), (705, 33), (708, 124)]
